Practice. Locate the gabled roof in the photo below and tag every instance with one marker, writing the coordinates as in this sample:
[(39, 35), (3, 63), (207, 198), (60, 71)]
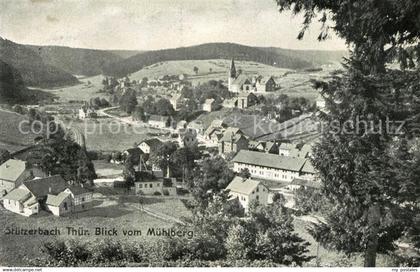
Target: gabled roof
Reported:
[(209, 101), (241, 80), (56, 200), (12, 169), (18, 195), (308, 167), (44, 186), (243, 186), (269, 160), (77, 190), (153, 142), (232, 133)]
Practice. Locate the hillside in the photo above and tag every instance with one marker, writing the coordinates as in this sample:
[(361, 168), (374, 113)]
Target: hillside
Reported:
[(204, 52), (33, 70), (76, 61), (13, 89), (316, 57)]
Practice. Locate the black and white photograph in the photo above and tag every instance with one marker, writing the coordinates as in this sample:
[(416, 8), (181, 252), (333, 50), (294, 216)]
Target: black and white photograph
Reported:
[(217, 134)]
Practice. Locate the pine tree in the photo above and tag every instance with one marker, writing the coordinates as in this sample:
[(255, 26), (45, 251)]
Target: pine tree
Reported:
[(364, 162)]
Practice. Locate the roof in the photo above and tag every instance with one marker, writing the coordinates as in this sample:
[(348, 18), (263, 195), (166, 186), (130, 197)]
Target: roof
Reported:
[(152, 142), (287, 146), (264, 80), (209, 101), (308, 167), (135, 151), (241, 80), (158, 118), (56, 200), (269, 160), (18, 195), (232, 132), (12, 169), (44, 186), (78, 190), (243, 186)]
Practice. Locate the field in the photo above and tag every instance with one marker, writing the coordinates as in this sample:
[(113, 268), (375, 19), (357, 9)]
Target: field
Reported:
[(106, 134), (11, 138), (79, 92), (111, 211), (219, 69)]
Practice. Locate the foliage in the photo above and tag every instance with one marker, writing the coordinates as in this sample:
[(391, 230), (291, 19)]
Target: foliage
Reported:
[(368, 171), (310, 200), (128, 101)]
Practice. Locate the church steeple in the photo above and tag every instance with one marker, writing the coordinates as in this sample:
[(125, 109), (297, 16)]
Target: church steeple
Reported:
[(232, 72)]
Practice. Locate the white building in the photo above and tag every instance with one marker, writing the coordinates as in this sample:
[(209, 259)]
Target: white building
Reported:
[(273, 167), (150, 145), (247, 190)]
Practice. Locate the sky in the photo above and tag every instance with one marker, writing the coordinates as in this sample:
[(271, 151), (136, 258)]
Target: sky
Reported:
[(155, 24)]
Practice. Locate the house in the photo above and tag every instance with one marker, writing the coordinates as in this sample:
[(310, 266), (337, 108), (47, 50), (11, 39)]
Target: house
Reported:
[(246, 100), (21, 201), (293, 150), (230, 103), (265, 84), (188, 138), (52, 194), (238, 82), (149, 184), (181, 125), (87, 112), (197, 126), (267, 147), (159, 121), (209, 105), (12, 174), (216, 125), (247, 190), (31, 196), (176, 102), (273, 167), (150, 145), (233, 140), (320, 103)]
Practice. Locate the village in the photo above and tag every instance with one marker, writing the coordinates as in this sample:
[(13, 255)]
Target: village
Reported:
[(265, 163)]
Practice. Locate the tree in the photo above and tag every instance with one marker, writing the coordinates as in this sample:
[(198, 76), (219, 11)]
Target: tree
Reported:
[(129, 172), (164, 107), (162, 156), (128, 101), (244, 173), (196, 70), (371, 187), (212, 177), (138, 114)]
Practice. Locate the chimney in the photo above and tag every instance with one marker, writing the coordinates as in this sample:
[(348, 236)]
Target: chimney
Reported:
[(49, 190)]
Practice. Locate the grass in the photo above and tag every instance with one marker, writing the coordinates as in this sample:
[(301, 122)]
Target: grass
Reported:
[(106, 134), (11, 137), (219, 68), (79, 92), (329, 258)]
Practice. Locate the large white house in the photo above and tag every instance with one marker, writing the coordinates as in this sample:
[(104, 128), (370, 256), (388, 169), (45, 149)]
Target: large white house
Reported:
[(247, 190), (12, 174), (273, 167)]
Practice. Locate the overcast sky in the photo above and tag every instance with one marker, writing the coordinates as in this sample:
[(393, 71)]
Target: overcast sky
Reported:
[(154, 24)]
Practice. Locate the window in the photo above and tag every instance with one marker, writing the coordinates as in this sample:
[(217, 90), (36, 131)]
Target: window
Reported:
[(140, 185), (258, 197), (65, 206), (83, 199), (145, 185), (258, 189), (151, 185), (158, 185)]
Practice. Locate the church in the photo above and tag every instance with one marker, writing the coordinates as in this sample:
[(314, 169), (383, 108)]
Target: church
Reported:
[(240, 83)]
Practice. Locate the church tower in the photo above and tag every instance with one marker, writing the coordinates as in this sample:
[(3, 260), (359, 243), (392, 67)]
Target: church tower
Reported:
[(232, 74)]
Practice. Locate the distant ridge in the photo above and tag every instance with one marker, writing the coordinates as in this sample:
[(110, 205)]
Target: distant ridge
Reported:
[(206, 51), (76, 61)]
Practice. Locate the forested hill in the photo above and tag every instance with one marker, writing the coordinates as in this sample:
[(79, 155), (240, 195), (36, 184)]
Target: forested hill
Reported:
[(316, 57), (207, 51), (78, 61), (34, 71)]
